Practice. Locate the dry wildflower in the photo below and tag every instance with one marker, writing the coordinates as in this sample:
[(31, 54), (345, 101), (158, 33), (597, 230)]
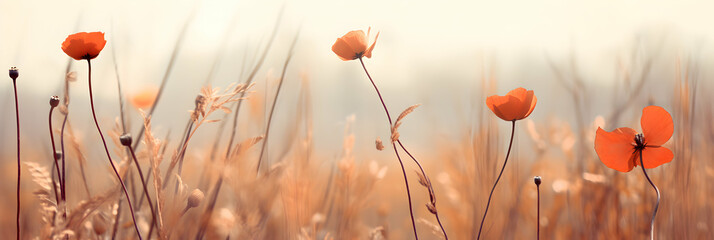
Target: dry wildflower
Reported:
[(422, 179), (13, 73), (40, 175), (379, 144), (560, 186), (194, 199), (435, 229), (398, 122), (376, 171), (99, 224), (595, 178), (377, 233)]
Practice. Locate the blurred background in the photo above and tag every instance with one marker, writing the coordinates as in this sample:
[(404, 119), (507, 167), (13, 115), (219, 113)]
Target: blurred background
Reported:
[(591, 63)]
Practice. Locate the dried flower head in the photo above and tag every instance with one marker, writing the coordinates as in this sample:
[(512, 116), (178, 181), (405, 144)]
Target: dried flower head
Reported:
[(54, 101), (125, 139), (194, 199), (14, 73)]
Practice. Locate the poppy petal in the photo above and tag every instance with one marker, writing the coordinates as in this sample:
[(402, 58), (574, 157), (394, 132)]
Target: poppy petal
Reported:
[(491, 103), (84, 45), (356, 40), (505, 107), (657, 125), (526, 105), (615, 148), (652, 157), (368, 53), (533, 104), (343, 50)]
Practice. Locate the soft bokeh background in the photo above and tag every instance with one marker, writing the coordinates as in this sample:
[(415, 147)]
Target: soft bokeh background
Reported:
[(446, 56)]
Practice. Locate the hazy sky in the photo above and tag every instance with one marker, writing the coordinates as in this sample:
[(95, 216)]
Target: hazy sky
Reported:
[(428, 52)]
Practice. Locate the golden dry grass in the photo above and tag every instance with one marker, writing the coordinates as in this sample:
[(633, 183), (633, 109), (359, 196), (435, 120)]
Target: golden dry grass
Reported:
[(299, 194)]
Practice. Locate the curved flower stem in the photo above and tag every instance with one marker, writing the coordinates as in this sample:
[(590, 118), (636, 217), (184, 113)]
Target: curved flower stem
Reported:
[(510, 144), (64, 178), (55, 157), (143, 183), (431, 188), (106, 149), (654, 213), (19, 172), (394, 146)]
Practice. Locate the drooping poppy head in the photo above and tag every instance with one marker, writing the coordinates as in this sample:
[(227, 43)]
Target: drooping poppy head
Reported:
[(144, 98), (516, 105), (353, 45), (620, 149), (84, 45)]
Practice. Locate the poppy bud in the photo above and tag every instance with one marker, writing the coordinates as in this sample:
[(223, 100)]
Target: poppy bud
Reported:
[(54, 101), (194, 199), (125, 139), (14, 73), (537, 180)]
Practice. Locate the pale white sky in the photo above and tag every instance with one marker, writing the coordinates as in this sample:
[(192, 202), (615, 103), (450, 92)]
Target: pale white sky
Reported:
[(428, 52)]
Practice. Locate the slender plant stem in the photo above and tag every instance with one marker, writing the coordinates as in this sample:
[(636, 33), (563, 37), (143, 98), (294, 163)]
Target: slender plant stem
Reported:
[(54, 156), (394, 146), (106, 149), (654, 213), (64, 176), (508, 153), (19, 172), (248, 81), (143, 183), (431, 188), (538, 215), (275, 103), (115, 228)]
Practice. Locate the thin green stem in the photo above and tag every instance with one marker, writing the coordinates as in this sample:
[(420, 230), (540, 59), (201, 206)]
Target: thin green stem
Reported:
[(654, 213), (394, 146), (490, 195), (106, 149)]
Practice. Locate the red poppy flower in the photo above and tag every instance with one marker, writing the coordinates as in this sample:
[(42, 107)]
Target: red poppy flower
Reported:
[(84, 45), (620, 149), (353, 45), (516, 105)]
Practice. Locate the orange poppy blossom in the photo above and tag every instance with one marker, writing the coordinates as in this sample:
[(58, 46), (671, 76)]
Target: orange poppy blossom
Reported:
[(144, 98), (516, 105), (84, 45), (620, 149), (353, 45)]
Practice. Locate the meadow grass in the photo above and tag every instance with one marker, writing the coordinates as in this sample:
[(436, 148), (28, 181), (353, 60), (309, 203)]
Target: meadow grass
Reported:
[(234, 190)]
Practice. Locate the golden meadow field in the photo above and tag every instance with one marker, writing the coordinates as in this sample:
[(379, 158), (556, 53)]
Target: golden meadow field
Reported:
[(321, 120)]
